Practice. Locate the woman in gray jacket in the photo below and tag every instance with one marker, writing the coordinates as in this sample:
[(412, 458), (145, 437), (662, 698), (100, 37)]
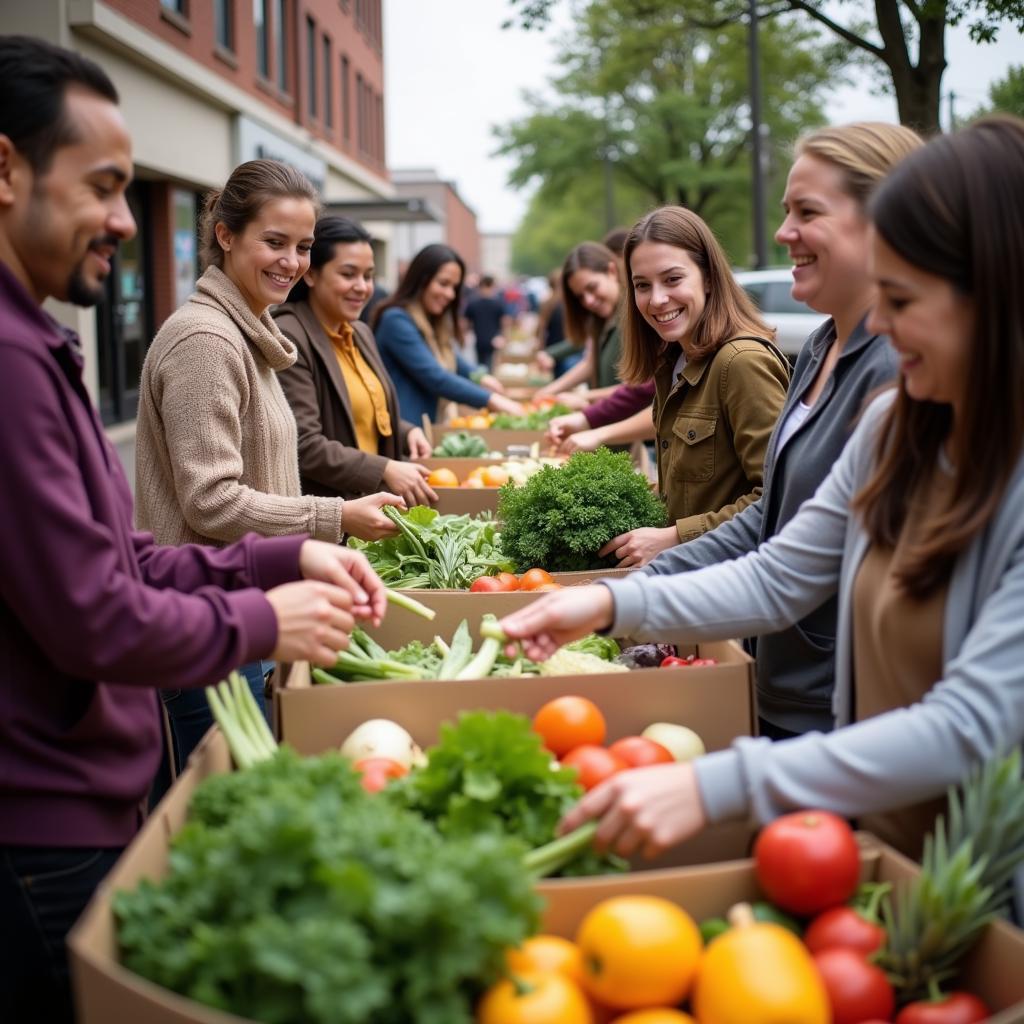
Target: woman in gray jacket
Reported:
[(826, 230), (917, 529)]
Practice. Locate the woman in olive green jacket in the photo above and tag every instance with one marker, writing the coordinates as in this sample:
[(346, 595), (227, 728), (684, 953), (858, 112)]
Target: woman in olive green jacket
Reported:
[(720, 382)]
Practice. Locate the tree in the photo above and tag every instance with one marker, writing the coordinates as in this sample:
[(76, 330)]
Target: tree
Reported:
[(664, 108), (889, 40), (1007, 95)]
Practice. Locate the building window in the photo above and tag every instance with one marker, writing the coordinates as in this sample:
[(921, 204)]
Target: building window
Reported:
[(311, 80), (177, 6), (360, 113), (281, 25), (346, 102), (328, 66), (259, 17), (223, 17), (124, 318), (380, 129)]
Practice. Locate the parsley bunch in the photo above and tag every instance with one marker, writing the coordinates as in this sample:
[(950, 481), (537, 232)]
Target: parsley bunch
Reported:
[(292, 895), (561, 517), (489, 773)]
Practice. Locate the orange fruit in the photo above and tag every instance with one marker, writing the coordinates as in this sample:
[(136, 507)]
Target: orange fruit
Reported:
[(568, 722), (535, 999), (478, 473), (548, 586), (660, 1015), (472, 481), (478, 422), (494, 476), (546, 954), (638, 952), (442, 478), (459, 421)]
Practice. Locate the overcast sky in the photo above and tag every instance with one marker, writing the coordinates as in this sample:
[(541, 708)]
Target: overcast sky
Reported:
[(451, 73)]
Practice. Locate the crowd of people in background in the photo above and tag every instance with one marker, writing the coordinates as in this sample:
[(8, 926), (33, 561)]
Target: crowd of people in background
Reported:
[(857, 516)]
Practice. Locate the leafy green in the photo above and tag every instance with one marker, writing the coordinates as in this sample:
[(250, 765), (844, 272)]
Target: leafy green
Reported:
[(294, 896), (604, 647), (537, 420), (561, 517), (489, 773), (461, 445), (435, 551)]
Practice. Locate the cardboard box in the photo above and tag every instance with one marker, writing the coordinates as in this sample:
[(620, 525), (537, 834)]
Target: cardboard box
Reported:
[(496, 440), (461, 501), (991, 971), (106, 992)]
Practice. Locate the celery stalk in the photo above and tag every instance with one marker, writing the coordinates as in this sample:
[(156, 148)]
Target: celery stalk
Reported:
[(551, 857), (410, 604)]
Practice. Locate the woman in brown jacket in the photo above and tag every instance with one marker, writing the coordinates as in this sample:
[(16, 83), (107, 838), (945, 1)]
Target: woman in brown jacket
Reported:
[(351, 439), (720, 382)]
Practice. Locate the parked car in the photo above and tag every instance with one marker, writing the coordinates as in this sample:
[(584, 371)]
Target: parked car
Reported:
[(793, 320)]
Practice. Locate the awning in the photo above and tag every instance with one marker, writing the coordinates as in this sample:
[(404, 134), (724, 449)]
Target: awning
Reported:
[(395, 210)]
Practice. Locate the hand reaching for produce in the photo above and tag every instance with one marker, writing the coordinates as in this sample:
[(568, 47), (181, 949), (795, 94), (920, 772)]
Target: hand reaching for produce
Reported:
[(544, 360), (638, 547), (313, 621), (562, 426), (363, 518), (409, 480), (582, 441), (647, 809), (489, 381), (417, 445), (574, 399), (500, 403), (348, 569), (545, 625)]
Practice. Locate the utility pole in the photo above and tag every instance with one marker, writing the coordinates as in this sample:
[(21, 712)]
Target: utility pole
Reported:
[(756, 139)]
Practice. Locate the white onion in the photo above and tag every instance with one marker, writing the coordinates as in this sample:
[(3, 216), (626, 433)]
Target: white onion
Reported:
[(380, 737), (681, 742)]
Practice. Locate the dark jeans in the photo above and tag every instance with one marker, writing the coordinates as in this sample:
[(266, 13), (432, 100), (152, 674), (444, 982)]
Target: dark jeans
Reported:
[(190, 719), (775, 732), (43, 890)]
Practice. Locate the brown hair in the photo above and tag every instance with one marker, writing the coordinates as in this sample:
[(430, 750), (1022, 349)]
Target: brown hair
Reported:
[(864, 152), (728, 310), (955, 209), (238, 203), (580, 323)]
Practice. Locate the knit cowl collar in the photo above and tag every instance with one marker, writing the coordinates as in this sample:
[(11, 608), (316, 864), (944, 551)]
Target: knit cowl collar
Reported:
[(262, 333)]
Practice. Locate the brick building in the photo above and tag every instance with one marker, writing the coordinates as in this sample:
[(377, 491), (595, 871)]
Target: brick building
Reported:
[(206, 85), (455, 225)]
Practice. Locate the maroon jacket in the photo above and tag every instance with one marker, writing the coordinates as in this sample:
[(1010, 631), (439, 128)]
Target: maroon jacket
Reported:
[(93, 615), (623, 402)]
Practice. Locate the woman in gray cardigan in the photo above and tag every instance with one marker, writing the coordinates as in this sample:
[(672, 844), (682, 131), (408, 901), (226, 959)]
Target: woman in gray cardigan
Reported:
[(917, 529), (843, 362)]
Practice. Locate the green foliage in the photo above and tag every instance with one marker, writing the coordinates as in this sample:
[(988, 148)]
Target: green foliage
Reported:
[(489, 774), (461, 445), (435, 551), (561, 517), (313, 901), (603, 647), (536, 420), (1007, 95), (665, 105)]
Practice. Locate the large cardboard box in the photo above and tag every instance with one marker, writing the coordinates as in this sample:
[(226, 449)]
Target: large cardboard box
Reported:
[(462, 501), (105, 992), (992, 971), (496, 440)]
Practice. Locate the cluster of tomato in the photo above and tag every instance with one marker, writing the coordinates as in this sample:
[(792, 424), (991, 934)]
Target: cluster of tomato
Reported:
[(474, 421), (574, 729), (482, 476), (507, 582), (808, 863)]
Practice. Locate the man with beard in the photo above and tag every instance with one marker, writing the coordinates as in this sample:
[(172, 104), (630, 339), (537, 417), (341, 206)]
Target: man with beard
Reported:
[(94, 616)]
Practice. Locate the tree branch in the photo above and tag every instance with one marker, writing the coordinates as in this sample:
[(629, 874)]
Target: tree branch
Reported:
[(840, 30)]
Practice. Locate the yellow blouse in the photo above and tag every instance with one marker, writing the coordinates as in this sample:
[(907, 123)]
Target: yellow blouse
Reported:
[(369, 403)]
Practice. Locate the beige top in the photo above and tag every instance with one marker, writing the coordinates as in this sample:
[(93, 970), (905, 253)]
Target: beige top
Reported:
[(216, 443), (897, 652)]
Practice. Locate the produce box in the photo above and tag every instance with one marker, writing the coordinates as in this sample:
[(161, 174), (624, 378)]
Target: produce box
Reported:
[(991, 971), (466, 500), (496, 440), (105, 991)]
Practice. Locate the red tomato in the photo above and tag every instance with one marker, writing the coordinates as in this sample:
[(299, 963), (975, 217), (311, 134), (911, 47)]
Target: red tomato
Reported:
[(534, 578), (807, 862), (377, 772), (856, 989), (846, 928), (638, 751), (688, 662), (593, 764), (486, 585), (568, 722), (508, 580), (953, 1008)]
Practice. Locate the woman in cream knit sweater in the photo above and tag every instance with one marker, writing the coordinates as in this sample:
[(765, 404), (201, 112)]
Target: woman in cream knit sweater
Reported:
[(216, 443)]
